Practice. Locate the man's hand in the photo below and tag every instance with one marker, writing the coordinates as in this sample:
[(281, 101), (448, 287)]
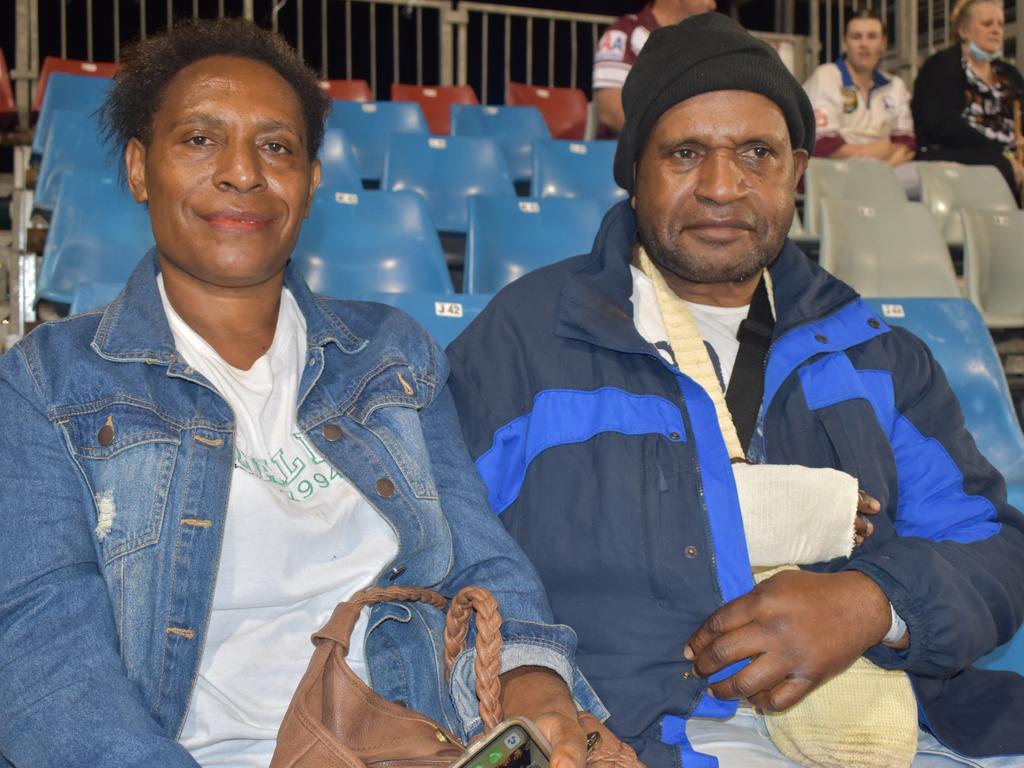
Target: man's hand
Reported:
[(862, 527), (542, 696), (799, 628), (900, 154)]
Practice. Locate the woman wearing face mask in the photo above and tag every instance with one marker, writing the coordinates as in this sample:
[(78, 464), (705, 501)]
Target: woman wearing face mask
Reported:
[(965, 96)]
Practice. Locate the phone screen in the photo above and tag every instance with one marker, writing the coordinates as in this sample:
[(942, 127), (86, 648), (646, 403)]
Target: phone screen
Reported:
[(512, 747)]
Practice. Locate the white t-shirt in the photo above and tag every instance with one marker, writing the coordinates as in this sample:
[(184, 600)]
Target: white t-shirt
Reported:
[(299, 539), (718, 325), (842, 111)]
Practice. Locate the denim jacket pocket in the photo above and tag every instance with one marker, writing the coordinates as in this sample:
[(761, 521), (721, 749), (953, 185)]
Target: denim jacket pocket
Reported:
[(126, 452), (392, 382), (401, 432), (388, 405)]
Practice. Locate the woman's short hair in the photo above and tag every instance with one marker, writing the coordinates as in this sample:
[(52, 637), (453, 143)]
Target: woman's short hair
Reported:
[(961, 15), (150, 65)]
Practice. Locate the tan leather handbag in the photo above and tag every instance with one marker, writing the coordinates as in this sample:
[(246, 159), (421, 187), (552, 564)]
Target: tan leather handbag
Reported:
[(336, 721)]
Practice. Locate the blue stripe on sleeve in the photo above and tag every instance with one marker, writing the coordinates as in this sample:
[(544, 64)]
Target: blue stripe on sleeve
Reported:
[(932, 502), (565, 416), (850, 326)]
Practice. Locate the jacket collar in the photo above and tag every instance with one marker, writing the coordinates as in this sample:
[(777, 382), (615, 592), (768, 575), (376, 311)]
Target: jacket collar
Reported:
[(134, 327), (878, 78), (594, 306)]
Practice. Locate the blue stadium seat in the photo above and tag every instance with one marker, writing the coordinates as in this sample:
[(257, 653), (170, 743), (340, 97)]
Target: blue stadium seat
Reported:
[(576, 169), (515, 129), (74, 145), (93, 295), (97, 235), (509, 236), (368, 127), (78, 93), (446, 171), (956, 334), (443, 315), (337, 166), (371, 241)]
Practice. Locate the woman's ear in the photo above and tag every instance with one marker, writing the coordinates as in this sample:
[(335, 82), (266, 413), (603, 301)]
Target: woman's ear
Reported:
[(135, 169)]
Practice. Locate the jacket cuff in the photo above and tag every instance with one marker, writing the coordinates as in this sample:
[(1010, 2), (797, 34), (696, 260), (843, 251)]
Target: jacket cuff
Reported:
[(526, 644), (907, 609)]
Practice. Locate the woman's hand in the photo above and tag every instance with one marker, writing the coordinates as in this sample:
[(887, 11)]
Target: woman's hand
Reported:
[(541, 695)]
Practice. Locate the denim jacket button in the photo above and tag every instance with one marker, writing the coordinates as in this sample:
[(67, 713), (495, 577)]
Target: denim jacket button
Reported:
[(106, 436), (332, 432), (385, 488), (395, 572), (821, 338)]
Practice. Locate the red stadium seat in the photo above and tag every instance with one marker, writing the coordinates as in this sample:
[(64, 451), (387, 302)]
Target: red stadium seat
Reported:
[(72, 67), (564, 109), (8, 110), (435, 101), (347, 90)]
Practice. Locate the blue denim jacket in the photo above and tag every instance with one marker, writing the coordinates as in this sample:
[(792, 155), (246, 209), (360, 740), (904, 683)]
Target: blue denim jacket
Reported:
[(101, 636)]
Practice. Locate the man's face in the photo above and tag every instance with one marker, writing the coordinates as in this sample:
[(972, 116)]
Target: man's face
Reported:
[(227, 173), (864, 44), (714, 189)]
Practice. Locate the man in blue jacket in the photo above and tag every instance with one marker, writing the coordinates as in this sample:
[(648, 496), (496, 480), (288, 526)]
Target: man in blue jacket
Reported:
[(609, 452)]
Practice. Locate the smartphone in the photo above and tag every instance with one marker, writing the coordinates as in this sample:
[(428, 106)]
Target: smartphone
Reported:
[(514, 743)]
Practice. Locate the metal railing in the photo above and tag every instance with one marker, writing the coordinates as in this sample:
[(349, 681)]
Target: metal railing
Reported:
[(382, 41), (540, 57)]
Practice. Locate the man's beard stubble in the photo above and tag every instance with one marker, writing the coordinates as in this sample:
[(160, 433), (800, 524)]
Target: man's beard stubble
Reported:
[(695, 269)]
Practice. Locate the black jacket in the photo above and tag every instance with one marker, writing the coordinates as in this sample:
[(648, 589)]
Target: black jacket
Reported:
[(939, 100), (608, 467)]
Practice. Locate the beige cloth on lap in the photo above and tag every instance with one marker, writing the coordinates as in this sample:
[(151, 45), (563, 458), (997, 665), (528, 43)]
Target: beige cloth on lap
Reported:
[(865, 717)]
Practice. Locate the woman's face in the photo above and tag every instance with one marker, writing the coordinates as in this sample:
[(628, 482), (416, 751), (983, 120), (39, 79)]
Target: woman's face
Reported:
[(227, 173), (984, 27)]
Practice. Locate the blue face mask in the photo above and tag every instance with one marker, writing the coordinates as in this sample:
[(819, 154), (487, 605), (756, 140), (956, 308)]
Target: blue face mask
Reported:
[(982, 57)]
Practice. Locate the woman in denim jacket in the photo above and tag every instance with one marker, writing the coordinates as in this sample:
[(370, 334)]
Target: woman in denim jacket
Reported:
[(160, 574)]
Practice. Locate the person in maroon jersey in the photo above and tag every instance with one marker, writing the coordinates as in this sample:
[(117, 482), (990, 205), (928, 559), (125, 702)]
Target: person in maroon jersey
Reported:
[(619, 47)]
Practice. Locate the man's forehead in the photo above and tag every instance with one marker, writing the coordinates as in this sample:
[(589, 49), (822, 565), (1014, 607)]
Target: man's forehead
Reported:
[(726, 112), (861, 26)]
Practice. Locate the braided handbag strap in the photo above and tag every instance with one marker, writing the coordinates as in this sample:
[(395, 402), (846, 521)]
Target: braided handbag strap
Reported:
[(339, 627), (488, 646), (374, 595)]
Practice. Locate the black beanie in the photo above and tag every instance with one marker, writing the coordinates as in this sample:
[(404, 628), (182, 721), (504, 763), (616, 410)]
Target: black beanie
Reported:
[(704, 53)]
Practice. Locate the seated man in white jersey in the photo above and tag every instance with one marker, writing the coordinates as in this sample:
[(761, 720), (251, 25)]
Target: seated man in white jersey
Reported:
[(199, 472), (860, 110)]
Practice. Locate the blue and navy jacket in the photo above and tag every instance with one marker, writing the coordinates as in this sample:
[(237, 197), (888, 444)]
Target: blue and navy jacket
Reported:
[(607, 465)]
